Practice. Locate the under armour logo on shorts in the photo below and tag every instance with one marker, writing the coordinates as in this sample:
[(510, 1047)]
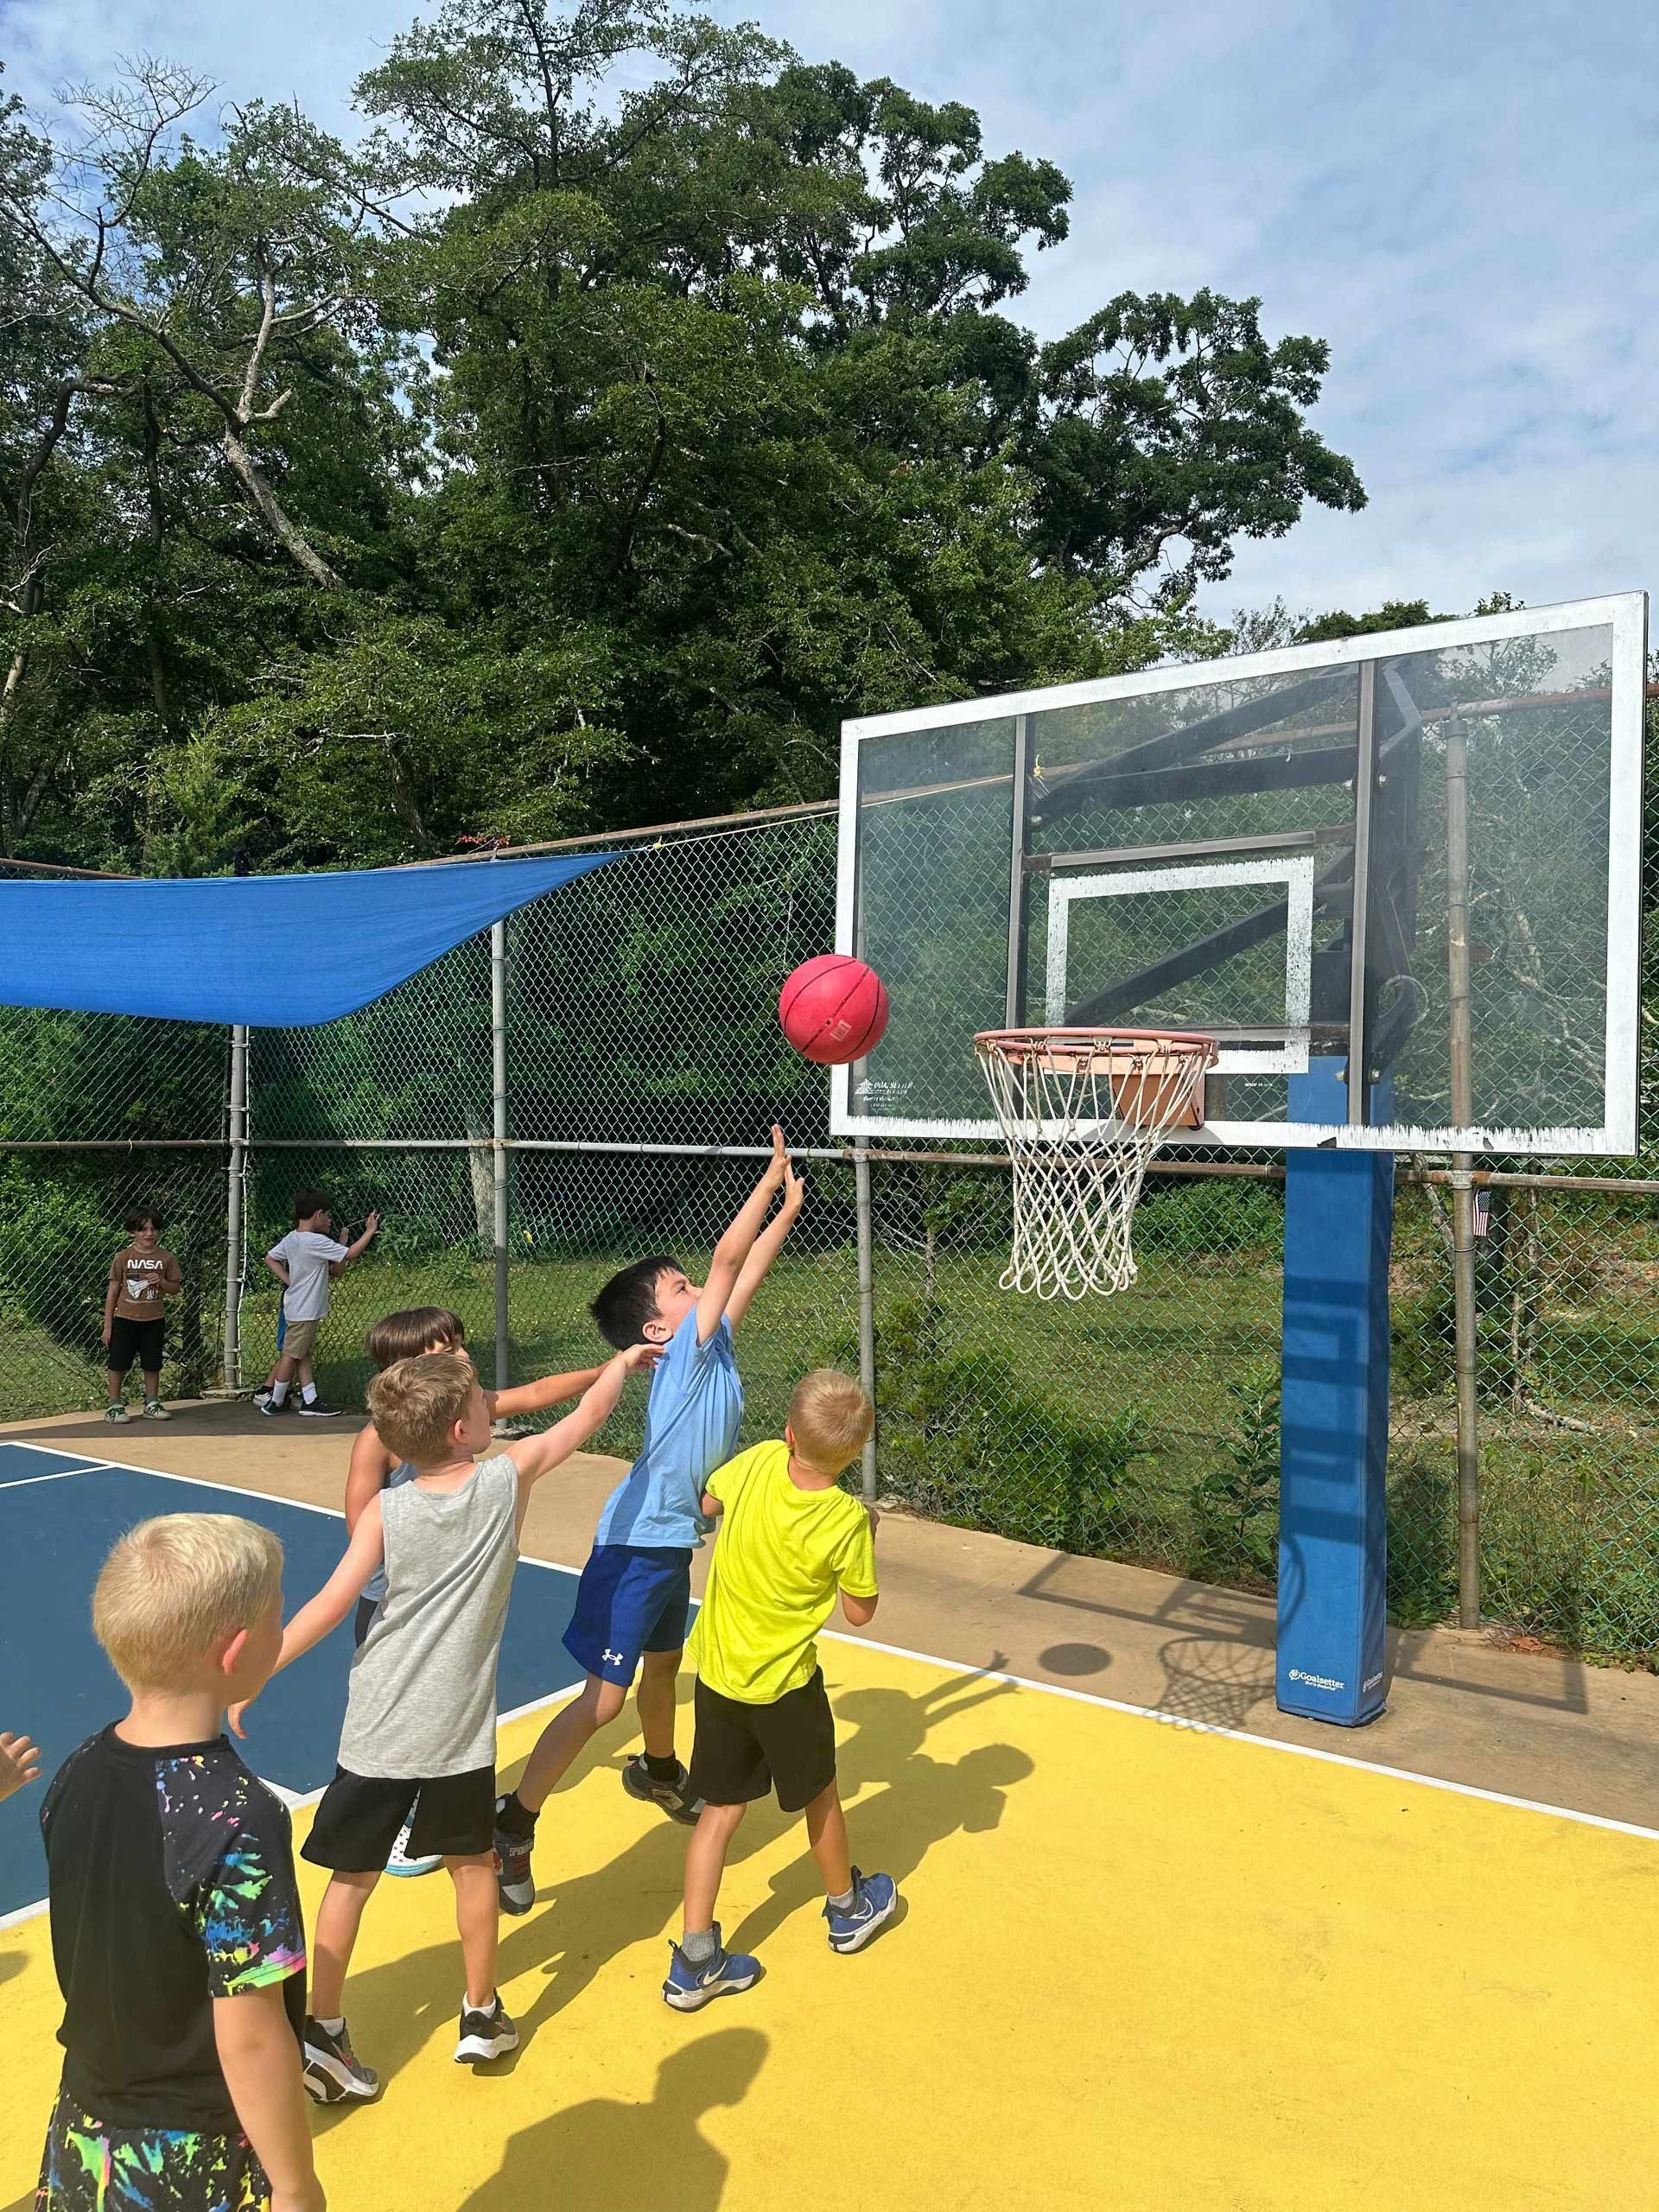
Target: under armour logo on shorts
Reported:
[(611, 1658)]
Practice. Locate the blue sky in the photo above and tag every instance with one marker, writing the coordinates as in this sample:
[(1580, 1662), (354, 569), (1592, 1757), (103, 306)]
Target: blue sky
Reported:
[(1461, 199)]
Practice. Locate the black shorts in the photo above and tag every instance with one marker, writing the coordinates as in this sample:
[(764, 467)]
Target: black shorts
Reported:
[(136, 1340), (361, 1815), (741, 1751)]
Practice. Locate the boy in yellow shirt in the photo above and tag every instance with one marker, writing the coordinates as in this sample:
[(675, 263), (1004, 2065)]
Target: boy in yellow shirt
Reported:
[(790, 1539)]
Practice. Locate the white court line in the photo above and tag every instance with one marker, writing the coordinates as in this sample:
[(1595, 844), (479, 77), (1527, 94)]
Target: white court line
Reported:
[(1092, 1697), (23, 1482), (295, 1800)]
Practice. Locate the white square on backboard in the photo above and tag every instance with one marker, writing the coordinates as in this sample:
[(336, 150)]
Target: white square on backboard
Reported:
[(1295, 873)]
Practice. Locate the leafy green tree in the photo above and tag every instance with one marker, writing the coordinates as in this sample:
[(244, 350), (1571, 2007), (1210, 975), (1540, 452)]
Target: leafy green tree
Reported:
[(636, 402)]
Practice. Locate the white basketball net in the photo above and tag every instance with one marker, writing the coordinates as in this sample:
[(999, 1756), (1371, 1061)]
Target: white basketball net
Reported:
[(1084, 1111)]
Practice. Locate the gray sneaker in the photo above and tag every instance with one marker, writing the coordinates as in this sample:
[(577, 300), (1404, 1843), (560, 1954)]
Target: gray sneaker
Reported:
[(674, 1797), (484, 2036), (116, 1413), (331, 2069), (155, 1410)]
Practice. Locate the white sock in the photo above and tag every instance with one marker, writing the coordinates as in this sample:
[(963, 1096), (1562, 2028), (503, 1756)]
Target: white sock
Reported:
[(308, 1392), (330, 2027), (488, 2005), (278, 1392)]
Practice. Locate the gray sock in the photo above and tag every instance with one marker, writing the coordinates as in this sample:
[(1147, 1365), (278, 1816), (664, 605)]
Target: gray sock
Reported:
[(701, 1947), (845, 1902)]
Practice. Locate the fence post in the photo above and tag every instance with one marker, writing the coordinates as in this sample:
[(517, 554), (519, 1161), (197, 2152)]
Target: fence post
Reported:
[(866, 1305), (499, 1157), (1466, 1318), (235, 1186)]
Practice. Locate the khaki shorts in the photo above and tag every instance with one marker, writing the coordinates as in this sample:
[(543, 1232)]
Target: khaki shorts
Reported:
[(299, 1340)]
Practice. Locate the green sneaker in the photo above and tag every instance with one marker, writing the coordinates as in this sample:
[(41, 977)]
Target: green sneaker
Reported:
[(116, 1413), (155, 1410)]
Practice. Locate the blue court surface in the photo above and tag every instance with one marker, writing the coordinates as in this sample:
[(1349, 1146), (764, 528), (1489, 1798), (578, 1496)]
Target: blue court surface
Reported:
[(59, 1515)]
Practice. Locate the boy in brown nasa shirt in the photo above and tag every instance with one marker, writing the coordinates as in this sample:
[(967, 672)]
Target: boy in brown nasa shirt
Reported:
[(142, 1277)]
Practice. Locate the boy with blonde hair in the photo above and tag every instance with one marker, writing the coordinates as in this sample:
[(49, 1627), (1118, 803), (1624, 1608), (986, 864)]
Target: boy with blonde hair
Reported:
[(791, 1541), (420, 1715), (405, 1335), (175, 1919)]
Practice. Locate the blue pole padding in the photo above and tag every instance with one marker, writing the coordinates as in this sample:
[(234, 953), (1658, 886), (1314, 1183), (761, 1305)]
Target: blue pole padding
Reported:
[(1334, 1434)]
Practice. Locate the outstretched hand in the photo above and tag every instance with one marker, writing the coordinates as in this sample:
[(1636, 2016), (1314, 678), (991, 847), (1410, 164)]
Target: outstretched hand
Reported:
[(641, 1355), (794, 1191), (777, 1167), (233, 1719), (20, 1762)]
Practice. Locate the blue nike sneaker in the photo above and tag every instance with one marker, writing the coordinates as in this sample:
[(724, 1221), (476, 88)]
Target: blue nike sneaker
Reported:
[(689, 1987), (875, 1898)]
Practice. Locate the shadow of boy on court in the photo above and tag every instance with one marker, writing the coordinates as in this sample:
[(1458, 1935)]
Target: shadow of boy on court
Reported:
[(901, 1800), (582, 1922), (633, 2158)]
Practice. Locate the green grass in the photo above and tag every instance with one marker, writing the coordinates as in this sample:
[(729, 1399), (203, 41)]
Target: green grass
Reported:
[(1093, 1427)]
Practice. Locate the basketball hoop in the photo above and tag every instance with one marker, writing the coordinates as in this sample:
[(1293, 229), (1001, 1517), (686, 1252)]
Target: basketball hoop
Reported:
[(1083, 1112)]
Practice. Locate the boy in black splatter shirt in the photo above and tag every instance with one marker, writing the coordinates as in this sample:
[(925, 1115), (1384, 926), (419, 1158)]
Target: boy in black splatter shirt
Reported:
[(175, 1919)]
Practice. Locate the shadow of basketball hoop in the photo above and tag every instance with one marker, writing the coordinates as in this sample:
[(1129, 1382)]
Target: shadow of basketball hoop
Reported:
[(1214, 1684)]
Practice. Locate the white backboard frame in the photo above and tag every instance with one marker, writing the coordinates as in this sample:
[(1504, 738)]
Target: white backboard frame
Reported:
[(1615, 1136)]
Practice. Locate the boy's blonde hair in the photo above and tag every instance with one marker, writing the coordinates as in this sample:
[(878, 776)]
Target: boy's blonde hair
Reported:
[(176, 1589), (830, 1417), (417, 1403)]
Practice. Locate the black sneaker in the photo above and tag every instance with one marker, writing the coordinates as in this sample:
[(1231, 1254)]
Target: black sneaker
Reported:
[(331, 2069), (515, 1884), (485, 2035), (317, 1411), (675, 1797), (269, 1406)]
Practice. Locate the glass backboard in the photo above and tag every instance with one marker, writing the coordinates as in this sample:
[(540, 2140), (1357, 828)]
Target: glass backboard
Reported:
[(1416, 854)]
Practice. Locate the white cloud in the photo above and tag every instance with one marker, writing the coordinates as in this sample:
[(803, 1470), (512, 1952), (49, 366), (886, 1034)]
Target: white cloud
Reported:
[(1459, 200)]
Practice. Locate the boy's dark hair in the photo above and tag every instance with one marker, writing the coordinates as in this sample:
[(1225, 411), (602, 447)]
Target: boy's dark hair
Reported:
[(145, 1218), (309, 1201), (629, 1301), (415, 1330)]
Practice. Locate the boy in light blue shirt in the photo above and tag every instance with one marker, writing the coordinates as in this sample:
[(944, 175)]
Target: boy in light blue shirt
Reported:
[(634, 1599)]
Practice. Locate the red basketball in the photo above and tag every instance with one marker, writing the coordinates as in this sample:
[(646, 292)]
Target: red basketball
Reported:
[(833, 1009)]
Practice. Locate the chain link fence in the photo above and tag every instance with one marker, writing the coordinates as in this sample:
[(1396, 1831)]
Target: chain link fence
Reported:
[(643, 1070)]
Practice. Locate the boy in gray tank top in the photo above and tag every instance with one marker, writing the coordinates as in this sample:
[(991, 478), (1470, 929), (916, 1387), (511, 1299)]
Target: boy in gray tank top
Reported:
[(420, 1715)]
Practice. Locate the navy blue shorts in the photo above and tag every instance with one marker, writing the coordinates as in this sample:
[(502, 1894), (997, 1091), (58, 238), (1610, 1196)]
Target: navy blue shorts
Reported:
[(632, 1599)]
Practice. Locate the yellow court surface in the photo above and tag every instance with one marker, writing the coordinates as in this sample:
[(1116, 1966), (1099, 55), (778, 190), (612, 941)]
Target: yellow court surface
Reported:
[(1141, 1965)]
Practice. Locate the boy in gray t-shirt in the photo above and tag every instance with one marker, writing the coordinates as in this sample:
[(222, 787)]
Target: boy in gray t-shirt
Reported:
[(420, 1715)]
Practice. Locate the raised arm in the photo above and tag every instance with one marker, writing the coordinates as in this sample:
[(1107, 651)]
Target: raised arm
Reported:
[(767, 1247), (362, 1244), (735, 1247), (332, 1603), (548, 1390), (534, 1455)]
